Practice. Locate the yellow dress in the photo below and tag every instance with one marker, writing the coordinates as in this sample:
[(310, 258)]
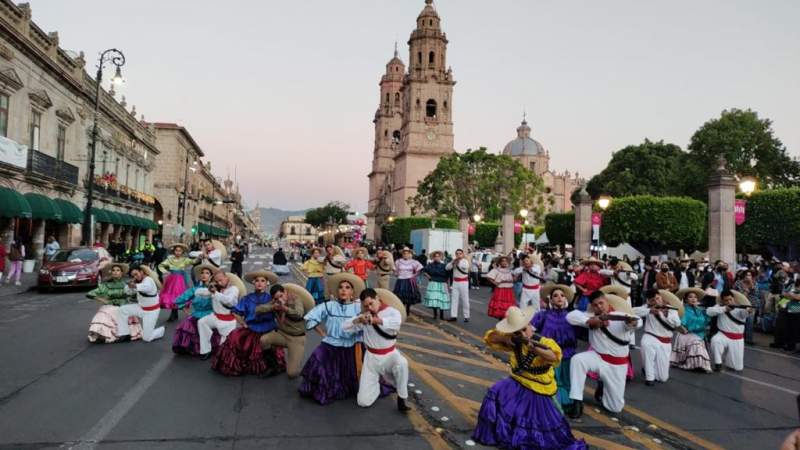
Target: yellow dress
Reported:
[(540, 375), (314, 268)]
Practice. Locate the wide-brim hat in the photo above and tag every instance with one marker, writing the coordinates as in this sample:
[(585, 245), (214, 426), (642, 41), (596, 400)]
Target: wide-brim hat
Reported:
[(270, 276), (615, 289), (385, 260), (362, 249), (300, 293), (388, 298), (682, 293), (236, 281), (738, 298), (333, 283), (181, 245), (619, 304), (212, 268), (591, 260), (406, 250), (625, 267), (105, 271), (548, 289), (672, 300), (149, 272), (437, 252), (221, 247), (516, 319), (337, 251)]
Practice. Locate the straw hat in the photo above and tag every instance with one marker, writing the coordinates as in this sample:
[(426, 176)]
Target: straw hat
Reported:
[(437, 252), (388, 298), (337, 251), (406, 250), (236, 281), (221, 247), (682, 293), (622, 265), (300, 294), (619, 304), (615, 289), (548, 289), (181, 245), (106, 270), (385, 261), (333, 283), (271, 277), (149, 272), (362, 249), (738, 298), (516, 319), (672, 300), (212, 268), (591, 260)]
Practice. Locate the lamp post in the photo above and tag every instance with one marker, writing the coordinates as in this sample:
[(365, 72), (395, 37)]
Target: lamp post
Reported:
[(116, 58), (747, 185), (185, 193), (604, 201)]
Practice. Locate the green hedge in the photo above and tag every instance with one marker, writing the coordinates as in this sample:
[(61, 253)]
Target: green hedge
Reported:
[(654, 225), (486, 234), (560, 228), (772, 224), (399, 232)]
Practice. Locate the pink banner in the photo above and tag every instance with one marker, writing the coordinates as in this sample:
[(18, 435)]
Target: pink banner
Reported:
[(739, 209), (597, 219)]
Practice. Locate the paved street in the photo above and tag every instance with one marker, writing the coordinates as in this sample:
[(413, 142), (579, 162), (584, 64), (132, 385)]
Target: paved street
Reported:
[(58, 391)]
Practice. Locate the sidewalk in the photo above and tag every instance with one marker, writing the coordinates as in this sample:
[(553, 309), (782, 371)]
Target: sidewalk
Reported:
[(27, 283)]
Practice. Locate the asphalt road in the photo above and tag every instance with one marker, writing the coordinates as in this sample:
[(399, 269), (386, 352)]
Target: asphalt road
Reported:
[(58, 391)]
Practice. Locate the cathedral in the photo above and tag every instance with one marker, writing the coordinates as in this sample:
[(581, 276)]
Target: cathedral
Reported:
[(414, 128)]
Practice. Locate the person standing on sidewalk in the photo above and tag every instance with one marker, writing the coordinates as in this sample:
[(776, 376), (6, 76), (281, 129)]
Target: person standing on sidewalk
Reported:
[(3, 255), (16, 255), (51, 248)]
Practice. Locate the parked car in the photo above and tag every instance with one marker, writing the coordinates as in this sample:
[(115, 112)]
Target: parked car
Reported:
[(71, 267), (484, 260)]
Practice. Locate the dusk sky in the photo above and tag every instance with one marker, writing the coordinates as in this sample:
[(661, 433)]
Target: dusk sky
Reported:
[(283, 92)]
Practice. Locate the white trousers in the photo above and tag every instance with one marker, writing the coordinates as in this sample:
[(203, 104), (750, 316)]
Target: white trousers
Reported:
[(393, 367), (206, 327), (655, 355), (459, 296), (612, 376), (530, 298), (732, 349), (149, 319)]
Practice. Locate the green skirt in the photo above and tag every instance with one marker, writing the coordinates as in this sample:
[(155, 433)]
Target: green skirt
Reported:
[(436, 295)]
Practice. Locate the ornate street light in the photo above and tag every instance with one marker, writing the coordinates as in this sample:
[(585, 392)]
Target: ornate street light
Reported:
[(116, 58), (747, 185), (477, 217), (523, 212), (603, 202)]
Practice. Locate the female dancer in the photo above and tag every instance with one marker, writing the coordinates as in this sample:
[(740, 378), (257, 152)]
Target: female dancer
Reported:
[(241, 352), (198, 298), (111, 293), (331, 372), (503, 295), (406, 287), (689, 350), (552, 323), (519, 412), (314, 268), (436, 296), (360, 265), (176, 282)]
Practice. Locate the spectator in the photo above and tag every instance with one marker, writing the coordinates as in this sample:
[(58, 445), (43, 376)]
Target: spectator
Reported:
[(648, 278), (237, 258), (51, 248), (16, 255), (665, 279), (787, 325), (747, 286), (684, 275)]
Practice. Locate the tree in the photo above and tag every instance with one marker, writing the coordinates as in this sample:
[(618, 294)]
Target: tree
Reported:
[(560, 228), (749, 147), (772, 224), (335, 211)]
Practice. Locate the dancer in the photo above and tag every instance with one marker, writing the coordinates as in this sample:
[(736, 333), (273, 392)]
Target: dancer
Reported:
[(460, 287), (689, 348), (531, 276), (661, 320), (360, 266), (176, 278), (611, 327), (731, 311), (405, 287), (289, 304), (331, 371), (197, 298), (436, 296), (144, 285), (225, 291), (241, 352), (589, 281), (519, 412), (621, 274), (385, 268), (334, 263), (503, 294), (314, 268), (380, 322), (111, 293), (552, 323)]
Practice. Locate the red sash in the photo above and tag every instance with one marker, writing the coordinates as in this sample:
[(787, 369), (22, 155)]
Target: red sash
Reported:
[(150, 308), (664, 340), (381, 351), (461, 279), (530, 286), (225, 316), (733, 336), (616, 360)]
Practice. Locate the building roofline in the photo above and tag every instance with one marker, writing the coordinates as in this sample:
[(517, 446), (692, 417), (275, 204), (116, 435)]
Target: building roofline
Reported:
[(183, 130)]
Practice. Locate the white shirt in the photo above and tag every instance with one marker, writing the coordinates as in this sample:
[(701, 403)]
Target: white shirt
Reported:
[(51, 248), (214, 256), (222, 301), (391, 325), (461, 269), (683, 283), (339, 260), (146, 292), (527, 279), (653, 326), (598, 340), (724, 322)]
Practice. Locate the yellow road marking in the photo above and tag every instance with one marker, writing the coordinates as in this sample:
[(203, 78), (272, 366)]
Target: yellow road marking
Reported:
[(630, 434), (456, 375), (598, 442), (477, 351), (436, 340), (434, 439), (463, 359), (673, 429)]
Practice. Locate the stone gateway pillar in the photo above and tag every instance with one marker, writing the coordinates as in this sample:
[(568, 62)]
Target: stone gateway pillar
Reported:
[(463, 226), (508, 231), (583, 225), (721, 218)]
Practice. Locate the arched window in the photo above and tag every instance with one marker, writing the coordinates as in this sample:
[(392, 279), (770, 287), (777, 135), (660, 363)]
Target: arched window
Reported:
[(387, 97), (430, 108), (397, 98), (431, 58), (291, 230), (396, 136), (385, 133), (417, 103), (419, 57)]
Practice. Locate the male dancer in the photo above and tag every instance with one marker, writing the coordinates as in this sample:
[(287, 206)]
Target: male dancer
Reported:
[(146, 307), (729, 340), (460, 288), (289, 309), (224, 296), (660, 323), (334, 263), (531, 275)]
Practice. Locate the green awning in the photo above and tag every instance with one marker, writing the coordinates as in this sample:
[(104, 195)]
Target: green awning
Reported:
[(139, 222), (115, 218), (13, 204), (101, 215), (220, 232), (43, 207), (150, 224), (69, 212), (127, 220)]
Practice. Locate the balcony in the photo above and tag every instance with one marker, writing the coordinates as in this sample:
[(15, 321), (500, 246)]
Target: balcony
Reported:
[(107, 185), (47, 166)]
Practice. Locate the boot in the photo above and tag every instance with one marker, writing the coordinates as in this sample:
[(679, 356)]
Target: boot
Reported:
[(173, 316), (435, 313), (401, 405), (441, 314), (598, 393), (577, 410)]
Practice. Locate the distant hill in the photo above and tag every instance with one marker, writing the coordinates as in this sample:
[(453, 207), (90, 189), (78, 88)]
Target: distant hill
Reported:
[(271, 218)]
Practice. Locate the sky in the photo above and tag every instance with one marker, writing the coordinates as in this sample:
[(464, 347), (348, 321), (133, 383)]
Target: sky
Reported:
[(281, 94)]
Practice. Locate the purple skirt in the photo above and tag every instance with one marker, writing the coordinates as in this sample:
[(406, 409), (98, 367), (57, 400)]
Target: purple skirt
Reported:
[(514, 417), (330, 374), (186, 340), (407, 291)]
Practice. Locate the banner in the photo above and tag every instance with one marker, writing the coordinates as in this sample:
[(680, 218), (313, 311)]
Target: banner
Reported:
[(739, 209), (13, 153)]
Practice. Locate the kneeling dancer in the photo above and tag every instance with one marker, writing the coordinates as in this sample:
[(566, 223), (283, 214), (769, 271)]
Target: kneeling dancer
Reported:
[(552, 323), (225, 291), (520, 412), (380, 323), (111, 293), (731, 311), (197, 298), (611, 328), (289, 304), (661, 320), (145, 287)]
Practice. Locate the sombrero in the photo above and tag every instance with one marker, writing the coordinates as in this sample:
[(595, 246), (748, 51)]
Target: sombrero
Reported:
[(672, 300), (406, 249), (516, 319), (738, 298), (437, 252), (301, 294), (179, 244), (106, 270), (682, 293), (362, 249), (385, 261), (615, 289), (236, 281), (221, 247), (200, 267), (625, 267), (591, 260), (388, 298), (548, 289), (333, 283), (619, 304), (149, 272), (271, 277)]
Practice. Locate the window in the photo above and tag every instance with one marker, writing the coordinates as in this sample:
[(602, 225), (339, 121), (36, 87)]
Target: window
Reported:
[(36, 127), (419, 57), (430, 108), (431, 58), (397, 98), (61, 143), (291, 230), (387, 98), (532, 165), (445, 105), (385, 133), (3, 115), (396, 136)]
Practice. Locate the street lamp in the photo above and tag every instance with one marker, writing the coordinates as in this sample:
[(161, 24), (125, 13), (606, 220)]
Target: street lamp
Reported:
[(477, 217), (117, 58), (747, 185), (523, 212), (183, 198), (603, 202)]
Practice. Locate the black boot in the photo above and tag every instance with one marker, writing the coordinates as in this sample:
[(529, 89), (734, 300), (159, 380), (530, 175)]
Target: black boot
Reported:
[(408, 310), (435, 313), (577, 410), (598, 393), (441, 314), (173, 316), (205, 356), (401, 405)]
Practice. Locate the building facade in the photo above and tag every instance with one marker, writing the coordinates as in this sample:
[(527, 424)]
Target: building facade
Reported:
[(294, 229)]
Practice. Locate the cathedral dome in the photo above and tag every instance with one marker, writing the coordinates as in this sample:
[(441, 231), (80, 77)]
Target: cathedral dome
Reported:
[(523, 145)]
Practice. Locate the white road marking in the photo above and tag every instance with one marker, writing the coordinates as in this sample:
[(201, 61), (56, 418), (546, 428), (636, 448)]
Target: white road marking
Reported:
[(110, 420), (782, 355), (258, 263), (15, 319), (762, 383)]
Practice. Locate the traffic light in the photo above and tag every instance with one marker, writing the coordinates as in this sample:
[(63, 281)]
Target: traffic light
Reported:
[(194, 230)]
